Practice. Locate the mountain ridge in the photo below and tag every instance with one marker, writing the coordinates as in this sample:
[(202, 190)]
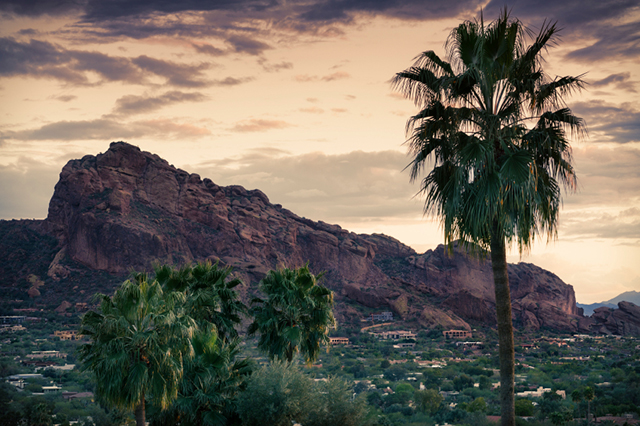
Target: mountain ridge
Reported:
[(628, 296), (126, 208)]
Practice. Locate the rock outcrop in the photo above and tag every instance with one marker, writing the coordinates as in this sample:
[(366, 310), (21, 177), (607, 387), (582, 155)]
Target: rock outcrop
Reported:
[(127, 209), (622, 321)]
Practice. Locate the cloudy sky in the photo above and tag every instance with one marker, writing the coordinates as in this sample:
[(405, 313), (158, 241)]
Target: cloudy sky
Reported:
[(293, 97)]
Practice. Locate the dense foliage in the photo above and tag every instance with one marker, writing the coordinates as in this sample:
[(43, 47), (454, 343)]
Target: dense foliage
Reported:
[(169, 342)]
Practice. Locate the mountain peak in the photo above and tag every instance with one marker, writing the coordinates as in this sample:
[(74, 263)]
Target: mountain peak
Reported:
[(127, 208)]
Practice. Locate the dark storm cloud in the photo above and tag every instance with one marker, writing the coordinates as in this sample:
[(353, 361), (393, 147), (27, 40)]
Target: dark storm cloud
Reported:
[(613, 42), (98, 10), (342, 10), (42, 59), (42, 7), (574, 12), (108, 67), (320, 10), (37, 58), (233, 20), (581, 20), (132, 104), (240, 21), (608, 122)]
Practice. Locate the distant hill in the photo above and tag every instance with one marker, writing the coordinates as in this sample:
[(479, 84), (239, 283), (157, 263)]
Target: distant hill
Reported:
[(627, 296)]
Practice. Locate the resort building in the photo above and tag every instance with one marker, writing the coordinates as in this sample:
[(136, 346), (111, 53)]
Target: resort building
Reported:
[(538, 393), (404, 345), (11, 328), (383, 316), (395, 335), (46, 354), (457, 334), (50, 389), (12, 319), (66, 334)]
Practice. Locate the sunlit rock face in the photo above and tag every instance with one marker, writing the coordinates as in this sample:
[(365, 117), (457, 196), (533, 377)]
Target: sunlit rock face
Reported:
[(127, 209)]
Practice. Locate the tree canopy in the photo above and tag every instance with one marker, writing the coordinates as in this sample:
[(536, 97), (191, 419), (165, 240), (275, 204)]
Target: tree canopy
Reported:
[(296, 315)]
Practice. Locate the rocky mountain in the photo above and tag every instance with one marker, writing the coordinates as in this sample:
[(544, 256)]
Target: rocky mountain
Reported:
[(625, 320), (128, 209)]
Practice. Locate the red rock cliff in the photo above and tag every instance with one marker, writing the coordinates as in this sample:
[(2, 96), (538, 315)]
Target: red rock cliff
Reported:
[(127, 209)]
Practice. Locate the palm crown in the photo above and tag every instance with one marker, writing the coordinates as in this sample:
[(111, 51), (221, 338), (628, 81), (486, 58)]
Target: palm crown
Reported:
[(295, 317), (139, 340), (494, 126)]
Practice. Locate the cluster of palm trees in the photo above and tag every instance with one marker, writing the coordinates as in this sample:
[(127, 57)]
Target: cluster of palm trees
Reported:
[(169, 342), (492, 130)]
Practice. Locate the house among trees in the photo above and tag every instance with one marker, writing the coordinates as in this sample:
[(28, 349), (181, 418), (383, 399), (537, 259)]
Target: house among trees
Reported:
[(11, 328), (456, 334), (395, 335), (46, 354), (51, 389), (12, 319), (382, 316), (538, 393), (66, 334), (404, 345), (76, 395), (338, 340)]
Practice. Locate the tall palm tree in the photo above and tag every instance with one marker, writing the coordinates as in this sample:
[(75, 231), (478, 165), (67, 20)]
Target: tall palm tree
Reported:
[(589, 395), (296, 315), (576, 396), (139, 341), (494, 128)]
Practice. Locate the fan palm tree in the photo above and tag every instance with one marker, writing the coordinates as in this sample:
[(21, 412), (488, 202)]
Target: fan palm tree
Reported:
[(296, 315), (210, 293), (589, 395), (212, 380), (576, 396), (139, 341), (494, 128)]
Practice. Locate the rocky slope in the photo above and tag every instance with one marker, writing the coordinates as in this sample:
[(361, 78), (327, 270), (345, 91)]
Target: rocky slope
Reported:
[(127, 209)]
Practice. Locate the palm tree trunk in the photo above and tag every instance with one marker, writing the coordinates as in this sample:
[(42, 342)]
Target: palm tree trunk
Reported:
[(140, 414), (505, 328)]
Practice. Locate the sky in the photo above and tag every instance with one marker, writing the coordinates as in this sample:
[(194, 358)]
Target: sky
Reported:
[(293, 97)]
